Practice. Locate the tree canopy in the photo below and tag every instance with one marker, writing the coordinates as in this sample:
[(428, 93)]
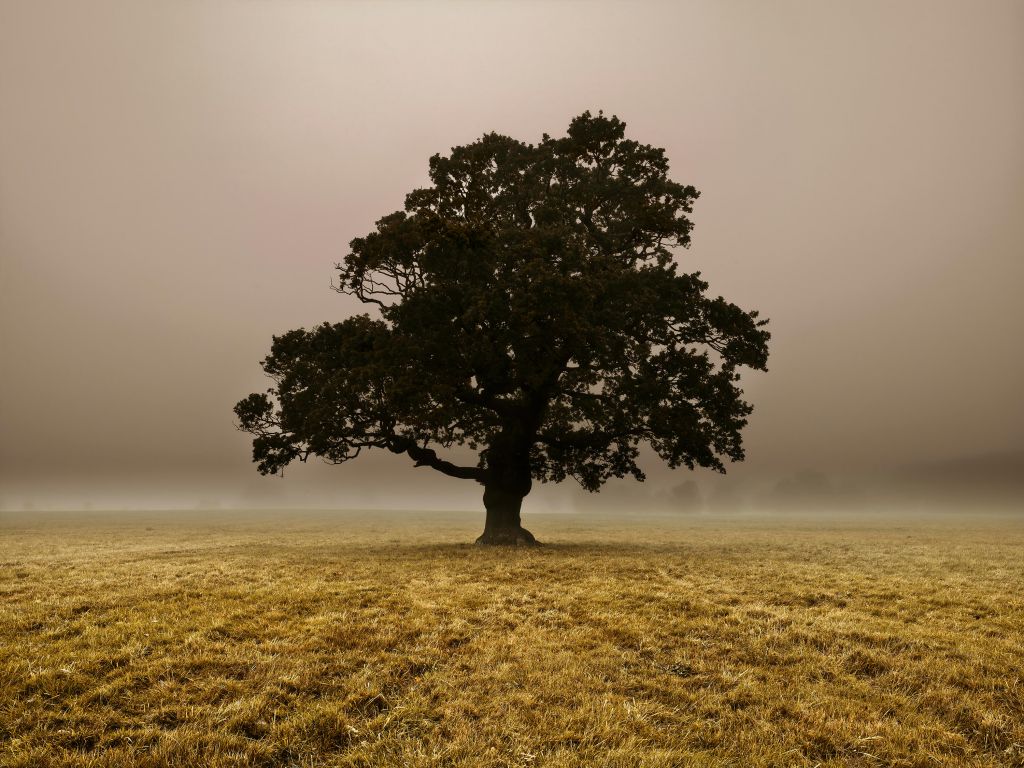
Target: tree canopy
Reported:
[(527, 304)]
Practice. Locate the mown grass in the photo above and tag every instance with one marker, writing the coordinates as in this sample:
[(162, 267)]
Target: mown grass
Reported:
[(339, 640)]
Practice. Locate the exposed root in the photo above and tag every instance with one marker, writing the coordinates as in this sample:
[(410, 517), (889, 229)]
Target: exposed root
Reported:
[(508, 537)]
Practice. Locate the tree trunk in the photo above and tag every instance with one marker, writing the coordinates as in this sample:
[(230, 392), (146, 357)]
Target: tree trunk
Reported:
[(503, 525), (507, 484)]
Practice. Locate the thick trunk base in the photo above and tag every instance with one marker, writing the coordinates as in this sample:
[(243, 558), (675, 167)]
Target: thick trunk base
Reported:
[(508, 536), (503, 527)]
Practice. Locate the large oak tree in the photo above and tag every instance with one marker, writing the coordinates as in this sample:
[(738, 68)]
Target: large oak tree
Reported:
[(527, 304)]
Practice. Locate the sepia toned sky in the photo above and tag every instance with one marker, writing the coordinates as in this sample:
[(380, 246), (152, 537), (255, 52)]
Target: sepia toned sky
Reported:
[(177, 180)]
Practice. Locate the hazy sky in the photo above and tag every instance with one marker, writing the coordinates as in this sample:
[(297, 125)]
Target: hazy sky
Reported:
[(177, 180)]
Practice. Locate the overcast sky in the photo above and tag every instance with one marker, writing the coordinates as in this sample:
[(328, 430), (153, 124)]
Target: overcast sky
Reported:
[(177, 180)]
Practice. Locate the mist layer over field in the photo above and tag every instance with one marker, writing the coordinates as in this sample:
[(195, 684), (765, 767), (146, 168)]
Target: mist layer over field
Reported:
[(278, 638)]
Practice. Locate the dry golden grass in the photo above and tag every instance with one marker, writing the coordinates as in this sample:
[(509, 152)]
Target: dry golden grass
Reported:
[(326, 640)]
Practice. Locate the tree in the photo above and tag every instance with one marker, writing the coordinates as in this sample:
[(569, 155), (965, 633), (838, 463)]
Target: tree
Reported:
[(527, 304)]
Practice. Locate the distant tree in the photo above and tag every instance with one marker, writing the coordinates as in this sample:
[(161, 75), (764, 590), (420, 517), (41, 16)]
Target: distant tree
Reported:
[(527, 305), (686, 496)]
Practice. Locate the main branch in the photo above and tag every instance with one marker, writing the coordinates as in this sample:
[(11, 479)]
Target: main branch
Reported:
[(427, 457)]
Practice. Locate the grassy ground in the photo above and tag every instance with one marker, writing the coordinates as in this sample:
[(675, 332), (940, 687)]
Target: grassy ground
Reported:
[(338, 640)]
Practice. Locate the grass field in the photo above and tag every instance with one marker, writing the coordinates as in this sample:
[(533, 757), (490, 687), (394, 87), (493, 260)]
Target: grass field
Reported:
[(337, 639)]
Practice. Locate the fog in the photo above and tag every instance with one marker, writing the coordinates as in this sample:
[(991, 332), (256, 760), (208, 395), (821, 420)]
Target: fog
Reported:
[(178, 179)]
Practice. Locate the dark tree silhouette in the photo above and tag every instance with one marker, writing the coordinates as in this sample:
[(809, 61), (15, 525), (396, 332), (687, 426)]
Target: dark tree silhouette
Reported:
[(527, 305)]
